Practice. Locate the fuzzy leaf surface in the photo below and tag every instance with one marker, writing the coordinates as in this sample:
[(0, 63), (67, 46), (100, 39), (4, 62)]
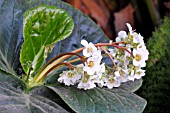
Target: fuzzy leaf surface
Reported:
[(13, 99), (100, 100)]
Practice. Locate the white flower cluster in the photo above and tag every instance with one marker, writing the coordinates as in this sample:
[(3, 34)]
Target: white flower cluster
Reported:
[(129, 56)]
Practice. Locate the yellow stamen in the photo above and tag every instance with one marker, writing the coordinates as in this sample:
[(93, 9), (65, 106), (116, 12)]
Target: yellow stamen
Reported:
[(91, 64), (139, 73), (111, 80), (89, 49), (70, 75), (138, 57), (121, 72)]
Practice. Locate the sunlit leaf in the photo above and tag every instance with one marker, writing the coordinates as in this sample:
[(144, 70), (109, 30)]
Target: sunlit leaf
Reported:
[(43, 27)]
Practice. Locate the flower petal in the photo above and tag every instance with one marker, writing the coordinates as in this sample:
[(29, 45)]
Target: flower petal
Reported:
[(84, 43)]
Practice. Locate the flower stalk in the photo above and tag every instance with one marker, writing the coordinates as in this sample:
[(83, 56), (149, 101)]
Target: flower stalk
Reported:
[(128, 55)]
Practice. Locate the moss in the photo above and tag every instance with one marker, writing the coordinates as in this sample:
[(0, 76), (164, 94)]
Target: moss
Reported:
[(156, 84)]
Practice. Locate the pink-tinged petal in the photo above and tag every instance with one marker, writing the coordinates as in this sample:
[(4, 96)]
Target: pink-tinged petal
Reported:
[(118, 39), (129, 27), (117, 74), (143, 64), (117, 83), (131, 78), (97, 55), (92, 46), (85, 68), (134, 52), (135, 63), (97, 67), (85, 53), (110, 86), (146, 55), (84, 43), (102, 68), (90, 71), (122, 34)]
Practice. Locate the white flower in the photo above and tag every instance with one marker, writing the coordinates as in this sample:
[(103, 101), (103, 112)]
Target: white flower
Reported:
[(113, 52), (141, 55), (138, 39), (130, 28), (91, 66), (97, 55), (111, 82), (85, 86), (127, 57), (121, 74), (89, 48), (89, 84), (101, 70), (69, 77), (131, 75), (99, 80), (121, 37), (139, 73)]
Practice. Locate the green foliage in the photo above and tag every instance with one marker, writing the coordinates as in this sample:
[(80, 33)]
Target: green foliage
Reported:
[(14, 100), (156, 83), (43, 27), (13, 91), (100, 100)]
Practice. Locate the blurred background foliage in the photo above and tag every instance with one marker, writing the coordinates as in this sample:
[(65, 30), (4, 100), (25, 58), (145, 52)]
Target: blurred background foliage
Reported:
[(145, 16), (156, 84), (111, 15)]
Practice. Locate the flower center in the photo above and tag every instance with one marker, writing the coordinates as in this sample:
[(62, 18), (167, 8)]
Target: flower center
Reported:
[(111, 80), (89, 49), (121, 72), (139, 73), (91, 64), (138, 57), (70, 75)]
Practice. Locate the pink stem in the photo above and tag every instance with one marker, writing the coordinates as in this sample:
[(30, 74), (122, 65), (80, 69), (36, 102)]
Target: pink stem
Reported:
[(109, 57)]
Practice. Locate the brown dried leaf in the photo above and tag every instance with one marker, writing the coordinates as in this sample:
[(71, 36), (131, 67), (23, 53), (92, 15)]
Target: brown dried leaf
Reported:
[(124, 16), (97, 12)]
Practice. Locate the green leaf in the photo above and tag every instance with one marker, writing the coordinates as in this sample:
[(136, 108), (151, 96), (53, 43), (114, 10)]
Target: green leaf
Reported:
[(100, 100), (10, 35), (14, 100), (132, 86), (43, 27)]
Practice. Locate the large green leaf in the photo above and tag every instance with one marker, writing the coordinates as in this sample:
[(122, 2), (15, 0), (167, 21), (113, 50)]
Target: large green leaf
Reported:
[(100, 100), (43, 27), (132, 86), (14, 100), (10, 34)]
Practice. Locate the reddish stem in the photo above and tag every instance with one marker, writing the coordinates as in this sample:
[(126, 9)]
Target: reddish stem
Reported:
[(109, 56), (60, 55), (108, 44), (52, 68), (119, 47)]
